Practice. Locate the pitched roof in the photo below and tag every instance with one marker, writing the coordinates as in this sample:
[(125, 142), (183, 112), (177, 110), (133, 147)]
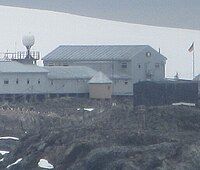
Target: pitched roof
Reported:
[(100, 78), (70, 72), (94, 52), (16, 67)]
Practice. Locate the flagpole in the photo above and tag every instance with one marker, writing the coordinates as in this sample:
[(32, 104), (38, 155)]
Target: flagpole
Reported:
[(191, 49)]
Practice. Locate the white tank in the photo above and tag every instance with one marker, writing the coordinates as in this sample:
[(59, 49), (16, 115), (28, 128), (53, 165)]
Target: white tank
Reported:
[(28, 40)]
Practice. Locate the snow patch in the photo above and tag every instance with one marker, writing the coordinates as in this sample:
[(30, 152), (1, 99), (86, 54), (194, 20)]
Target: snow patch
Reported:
[(9, 137), (89, 109), (16, 162), (4, 152), (43, 163), (114, 104), (183, 104)]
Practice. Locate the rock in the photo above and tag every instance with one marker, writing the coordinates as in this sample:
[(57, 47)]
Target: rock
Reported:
[(76, 151), (152, 155), (122, 164), (107, 140)]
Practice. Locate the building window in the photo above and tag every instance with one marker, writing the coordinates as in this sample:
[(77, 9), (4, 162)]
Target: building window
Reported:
[(28, 81), (139, 66), (51, 82), (108, 87), (65, 64), (126, 82), (6, 81), (17, 81), (157, 65), (39, 81), (148, 54), (51, 64), (124, 65)]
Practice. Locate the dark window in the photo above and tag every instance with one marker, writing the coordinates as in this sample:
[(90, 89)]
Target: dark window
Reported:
[(157, 65), (108, 87), (28, 81), (51, 82), (124, 65), (39, 81), (65, 64), (51, 64), (6, 81), (139, 66), (126, 82), (17, 81), (148, 54)]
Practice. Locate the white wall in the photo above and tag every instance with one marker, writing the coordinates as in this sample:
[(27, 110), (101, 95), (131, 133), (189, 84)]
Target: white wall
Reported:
[(68, 86), (122, 87), (45, 86), (113, 68), (148, 64), (22, 87)]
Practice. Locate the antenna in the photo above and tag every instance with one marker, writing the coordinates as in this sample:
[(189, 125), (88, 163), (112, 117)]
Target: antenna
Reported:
[(159, 50), (28, 41)]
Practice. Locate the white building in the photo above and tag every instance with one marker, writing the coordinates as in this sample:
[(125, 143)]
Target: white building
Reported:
[(18, 78), (72, 80), (27, 81), (123, 64), (69, 70)]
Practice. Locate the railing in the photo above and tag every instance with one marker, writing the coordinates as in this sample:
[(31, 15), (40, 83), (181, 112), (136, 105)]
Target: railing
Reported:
[(20, 55)]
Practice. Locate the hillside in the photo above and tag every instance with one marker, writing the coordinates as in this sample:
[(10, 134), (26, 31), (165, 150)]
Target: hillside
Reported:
[(92, 135)]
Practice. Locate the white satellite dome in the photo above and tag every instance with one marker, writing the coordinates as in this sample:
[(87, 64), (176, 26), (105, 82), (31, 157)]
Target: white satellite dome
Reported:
[(28, 40)]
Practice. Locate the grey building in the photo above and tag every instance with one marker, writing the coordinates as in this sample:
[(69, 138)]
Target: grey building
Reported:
[(18, 78), (123, 64), (24, 81), (72, 80)]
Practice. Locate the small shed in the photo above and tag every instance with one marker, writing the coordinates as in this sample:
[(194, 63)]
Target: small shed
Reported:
[(100, 86)]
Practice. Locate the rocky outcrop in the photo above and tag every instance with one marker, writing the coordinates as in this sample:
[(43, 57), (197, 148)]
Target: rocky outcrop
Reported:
[(110, 137)]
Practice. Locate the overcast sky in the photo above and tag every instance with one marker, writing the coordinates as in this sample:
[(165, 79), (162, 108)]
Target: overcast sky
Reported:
[(52, 29), (167, 13)]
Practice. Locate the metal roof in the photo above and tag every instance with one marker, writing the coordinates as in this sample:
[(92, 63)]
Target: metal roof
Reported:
[(70, 72), (100, 78), (94, 52), (16, 67)]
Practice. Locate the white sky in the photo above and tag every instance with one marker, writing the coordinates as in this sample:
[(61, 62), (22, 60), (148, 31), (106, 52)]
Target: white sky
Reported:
[(52, 29)]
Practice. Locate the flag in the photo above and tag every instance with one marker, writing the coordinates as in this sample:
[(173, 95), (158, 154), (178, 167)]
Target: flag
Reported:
[(191, 48)]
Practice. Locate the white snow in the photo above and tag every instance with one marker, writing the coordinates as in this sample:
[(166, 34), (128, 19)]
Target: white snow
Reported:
[(16, 162), (114, 104), (86, 109), (4, 152), (9, 137), (183, 104), (89, 109), (43, 163), (1, 160)]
